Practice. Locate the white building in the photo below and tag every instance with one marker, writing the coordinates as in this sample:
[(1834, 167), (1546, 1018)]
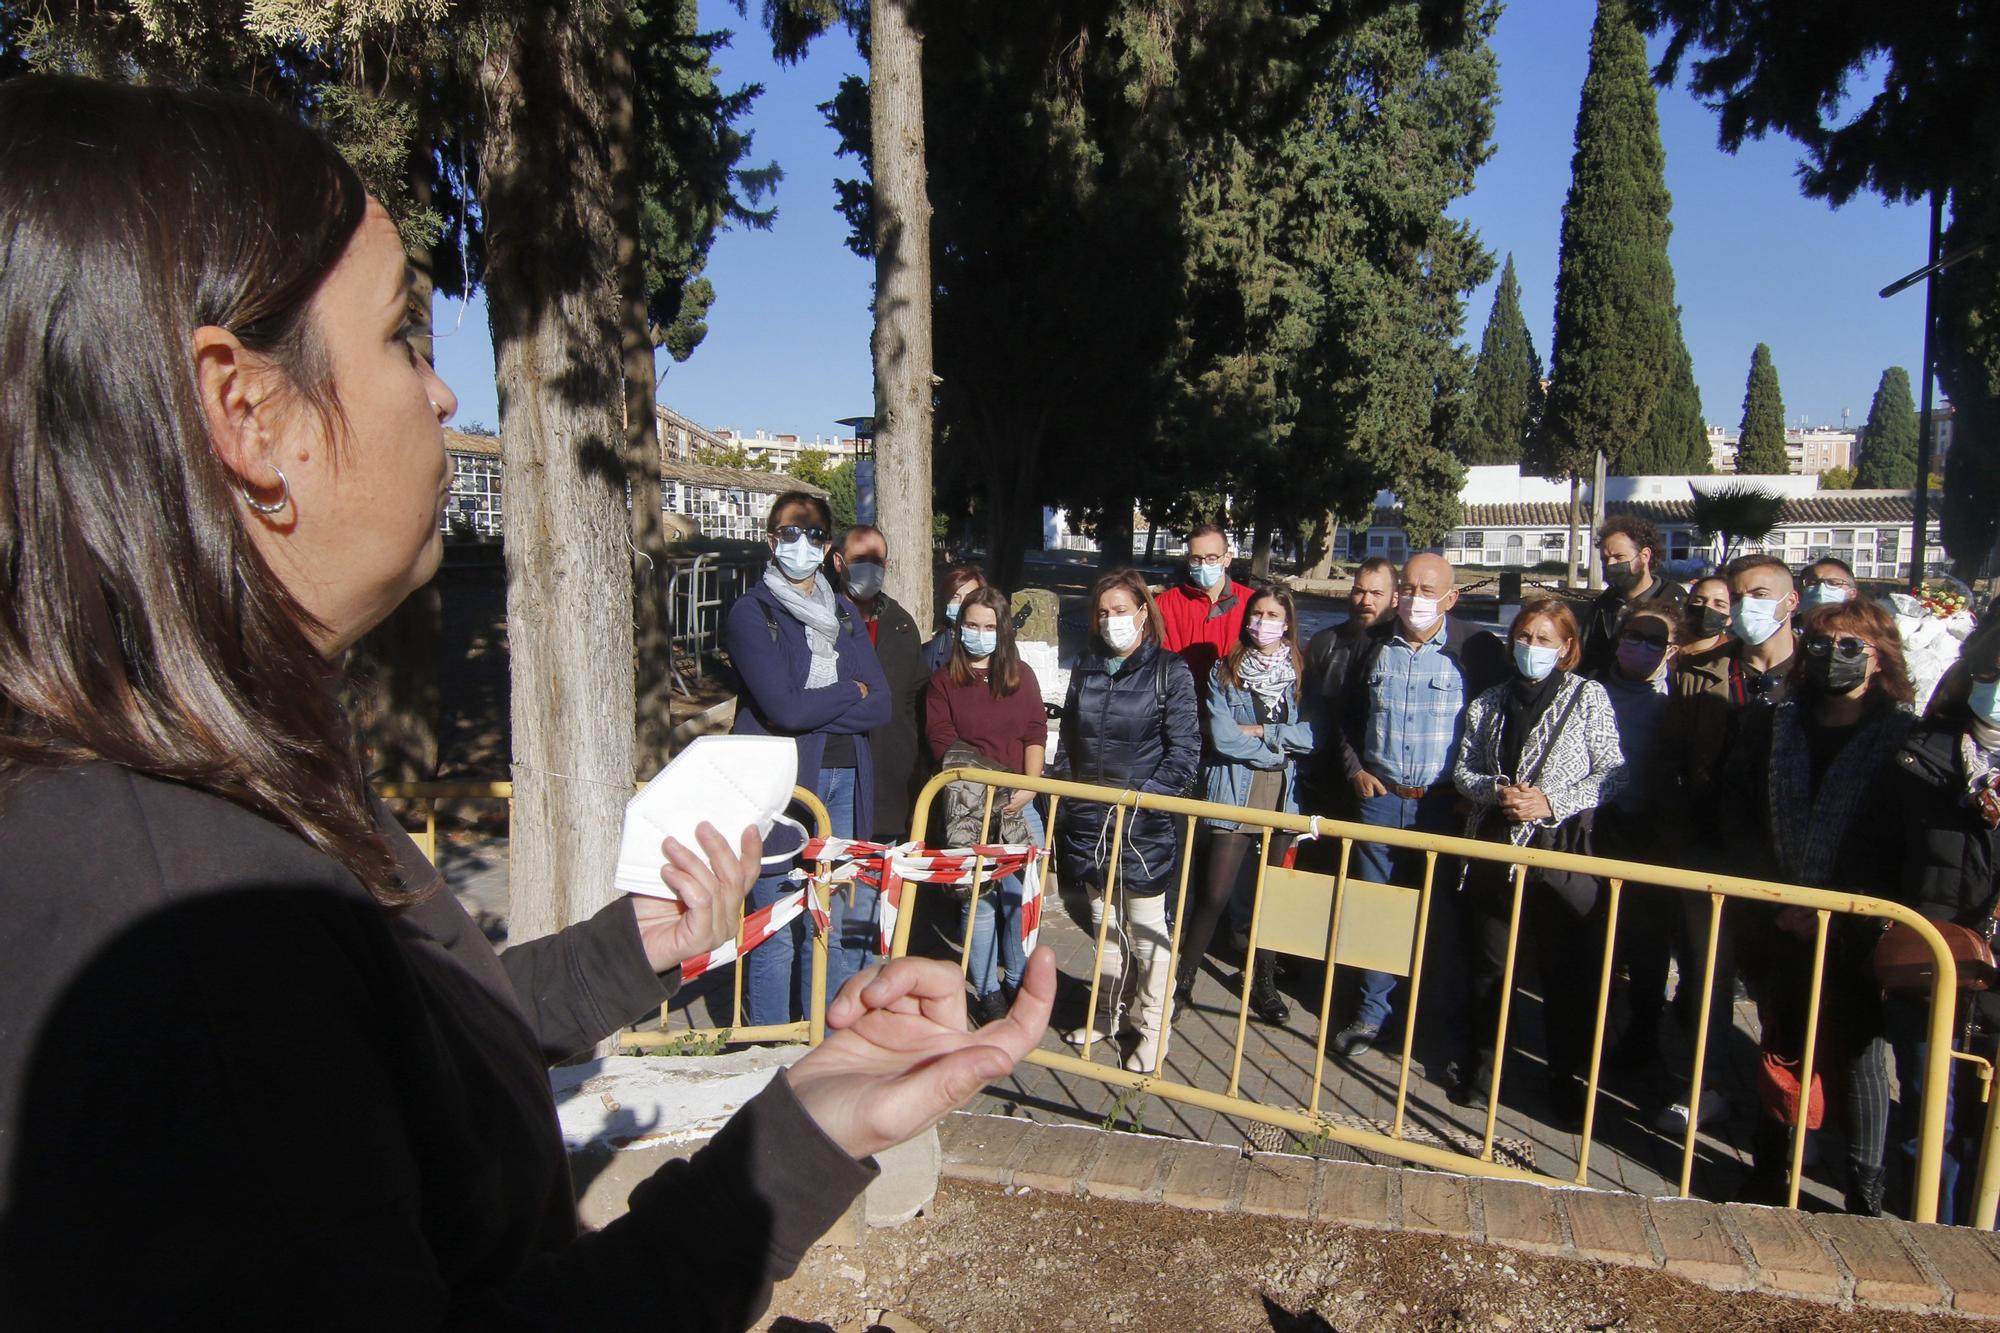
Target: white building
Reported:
[(784, 450), (1807, 452)]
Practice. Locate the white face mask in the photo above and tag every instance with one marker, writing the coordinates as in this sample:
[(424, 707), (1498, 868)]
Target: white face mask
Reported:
[(1121, 632), (800, 559), (732, 782), (1419, 613)]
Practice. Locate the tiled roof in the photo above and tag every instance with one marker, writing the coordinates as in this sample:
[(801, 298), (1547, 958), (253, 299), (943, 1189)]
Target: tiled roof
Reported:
[(736, 479), (1822, 510), (458, 442)]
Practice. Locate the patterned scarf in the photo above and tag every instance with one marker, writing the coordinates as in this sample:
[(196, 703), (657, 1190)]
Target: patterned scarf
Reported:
[(815, 610), (1268, 675), (1979, 749), (1807, 827)]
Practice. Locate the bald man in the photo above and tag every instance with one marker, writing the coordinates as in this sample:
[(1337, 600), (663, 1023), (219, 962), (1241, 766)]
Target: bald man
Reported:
[(1399, 733)]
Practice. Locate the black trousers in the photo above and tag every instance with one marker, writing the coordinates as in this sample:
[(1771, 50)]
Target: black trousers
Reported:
[(1231, 861), (1563, 951)]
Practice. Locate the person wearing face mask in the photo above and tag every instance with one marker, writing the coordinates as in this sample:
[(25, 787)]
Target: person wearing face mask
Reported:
[(1828, 581), (959, 582), (860, 560), (1797, 796), (1631, 549), (808, 671), (1946, 791), (1371, 610), (1256, 732), (986, 698), (1541, 754), (1397, 736), (1202, 615), (1130, 720), (1638, 823)]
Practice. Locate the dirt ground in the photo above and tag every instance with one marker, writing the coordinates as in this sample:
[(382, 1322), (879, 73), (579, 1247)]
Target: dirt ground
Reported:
[(984, 1258)]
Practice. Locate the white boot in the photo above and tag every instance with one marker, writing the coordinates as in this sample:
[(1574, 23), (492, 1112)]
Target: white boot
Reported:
[(1150, 951), (1108, 1019)]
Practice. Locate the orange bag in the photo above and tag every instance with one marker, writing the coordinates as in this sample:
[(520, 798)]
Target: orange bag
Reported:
[(1778, 1090)]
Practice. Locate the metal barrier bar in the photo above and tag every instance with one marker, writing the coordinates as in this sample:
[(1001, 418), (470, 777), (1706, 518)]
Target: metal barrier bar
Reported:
[(1986, 1195), (1106, 905), (1597, 1038), (1520, 860), (1416, 980), (1326, 987), (1174, 951), (1249, 959), (1806, 1057)]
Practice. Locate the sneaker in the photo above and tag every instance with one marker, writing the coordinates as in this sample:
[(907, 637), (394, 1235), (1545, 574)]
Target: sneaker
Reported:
[(1355, 1039), (988, 1008), (1674, 1119)]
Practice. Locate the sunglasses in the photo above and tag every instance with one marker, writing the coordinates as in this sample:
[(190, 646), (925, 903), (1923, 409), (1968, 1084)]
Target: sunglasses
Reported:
[(791, 532), (1819, 645), (1985, 675)]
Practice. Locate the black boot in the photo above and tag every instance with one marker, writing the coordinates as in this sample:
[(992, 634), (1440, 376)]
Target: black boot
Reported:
[(1770, 1165), (1265, 1001), (1865, 1189)]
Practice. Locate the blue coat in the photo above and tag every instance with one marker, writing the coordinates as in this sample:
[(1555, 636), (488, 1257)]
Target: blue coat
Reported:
[(775, 702), (1232, 757)]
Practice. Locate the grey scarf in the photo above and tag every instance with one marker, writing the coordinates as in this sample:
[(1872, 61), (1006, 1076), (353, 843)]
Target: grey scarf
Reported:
[(1267, 675), (1807, 833), (816, 611)]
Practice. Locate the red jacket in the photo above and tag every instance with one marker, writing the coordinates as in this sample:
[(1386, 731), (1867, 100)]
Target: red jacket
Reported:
[(1199, 630)]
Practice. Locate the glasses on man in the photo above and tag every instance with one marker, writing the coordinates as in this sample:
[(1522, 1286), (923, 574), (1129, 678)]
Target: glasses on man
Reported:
[(1207, 561), (1820, 645), (1839, 581), (791, 532)]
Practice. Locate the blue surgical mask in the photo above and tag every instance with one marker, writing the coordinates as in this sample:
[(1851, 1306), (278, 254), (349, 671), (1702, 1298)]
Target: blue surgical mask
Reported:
[(1756, 619), (979, 642), (1985, 702), (951, 612), (1823, 594), (800, 558), (1206, 576), (1534, 661)]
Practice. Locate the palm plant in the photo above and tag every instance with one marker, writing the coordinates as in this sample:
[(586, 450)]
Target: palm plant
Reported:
[(1737, 513)]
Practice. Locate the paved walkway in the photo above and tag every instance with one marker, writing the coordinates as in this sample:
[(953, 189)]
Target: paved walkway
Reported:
[(1627, 1152)]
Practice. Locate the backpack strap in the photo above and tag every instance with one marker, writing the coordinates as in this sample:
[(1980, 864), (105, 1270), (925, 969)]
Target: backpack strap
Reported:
[(1160, 679)]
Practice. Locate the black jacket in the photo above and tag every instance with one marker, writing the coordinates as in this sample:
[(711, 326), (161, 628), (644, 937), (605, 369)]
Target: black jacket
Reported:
[(274, 1103), (1140, 730), (1323, 788), (897, 745), (1950, 853), (1607, 616), (1482, 663)]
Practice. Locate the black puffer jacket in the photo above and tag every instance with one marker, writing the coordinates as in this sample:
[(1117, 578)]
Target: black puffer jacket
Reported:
[(1950, 853), (1140, 730)]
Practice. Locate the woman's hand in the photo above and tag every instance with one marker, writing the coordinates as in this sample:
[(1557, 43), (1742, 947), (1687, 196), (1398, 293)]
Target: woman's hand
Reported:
[(1254, 730), (1018, 801), (710, 902), (897, 1056), (1525, 804)]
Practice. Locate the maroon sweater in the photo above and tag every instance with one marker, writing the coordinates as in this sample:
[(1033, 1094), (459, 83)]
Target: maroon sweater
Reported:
[(1002, 729)]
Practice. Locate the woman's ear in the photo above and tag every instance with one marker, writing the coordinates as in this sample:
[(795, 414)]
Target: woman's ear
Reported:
[(234, 386)]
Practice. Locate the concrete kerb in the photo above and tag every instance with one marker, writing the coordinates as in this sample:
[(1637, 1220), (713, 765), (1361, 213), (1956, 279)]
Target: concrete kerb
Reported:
[(1854, 1263)]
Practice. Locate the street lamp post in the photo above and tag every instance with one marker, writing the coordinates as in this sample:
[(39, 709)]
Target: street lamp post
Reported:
[(864, 466)]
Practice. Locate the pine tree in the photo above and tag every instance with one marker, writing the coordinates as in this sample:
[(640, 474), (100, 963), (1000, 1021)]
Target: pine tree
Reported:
[(1617, 327), (1889, 440), (1506, 401), (1761, 450), (1677, 444)]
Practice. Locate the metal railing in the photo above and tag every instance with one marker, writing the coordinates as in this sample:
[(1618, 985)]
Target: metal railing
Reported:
[(426, 795), (1352, 923), (699, 589)]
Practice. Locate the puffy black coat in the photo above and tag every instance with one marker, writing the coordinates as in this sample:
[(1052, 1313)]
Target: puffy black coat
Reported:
[(896, 746), (1949, 853), (1140, 730)]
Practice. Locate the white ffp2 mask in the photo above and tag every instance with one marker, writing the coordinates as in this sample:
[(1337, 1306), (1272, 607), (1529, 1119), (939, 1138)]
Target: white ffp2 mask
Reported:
[(732, 782)]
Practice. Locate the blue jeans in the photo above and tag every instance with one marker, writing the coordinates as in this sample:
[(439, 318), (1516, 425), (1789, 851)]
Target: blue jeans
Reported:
[(1904, 1020), (989, 968), (1387, 865), (778, 973)]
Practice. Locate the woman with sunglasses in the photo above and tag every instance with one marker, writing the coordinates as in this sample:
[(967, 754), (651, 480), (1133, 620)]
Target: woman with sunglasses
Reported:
[(1796, 798), (802, 655), (1947, 789)]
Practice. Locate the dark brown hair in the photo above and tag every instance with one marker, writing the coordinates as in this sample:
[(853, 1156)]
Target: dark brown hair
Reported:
[(1003, 671), (1639, 531), (796, 499), (1557, 612), (1378, 564), (1867, 620), (1659, 613), (1951, 701), (1232, 665), (1132, 581), (139, 624)]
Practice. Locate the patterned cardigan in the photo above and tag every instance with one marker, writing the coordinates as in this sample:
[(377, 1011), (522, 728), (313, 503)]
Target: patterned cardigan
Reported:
[(1584, 769)]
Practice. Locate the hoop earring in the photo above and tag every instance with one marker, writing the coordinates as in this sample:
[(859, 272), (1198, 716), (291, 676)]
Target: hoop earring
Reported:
[(276, 506)]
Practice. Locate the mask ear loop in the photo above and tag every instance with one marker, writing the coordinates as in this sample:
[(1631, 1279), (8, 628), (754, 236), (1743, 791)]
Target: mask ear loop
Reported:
[(785, 858)]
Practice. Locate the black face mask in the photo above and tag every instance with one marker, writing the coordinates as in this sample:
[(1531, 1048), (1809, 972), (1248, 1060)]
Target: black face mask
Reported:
[(1837, 672), (1623, 576), (1706, 622)]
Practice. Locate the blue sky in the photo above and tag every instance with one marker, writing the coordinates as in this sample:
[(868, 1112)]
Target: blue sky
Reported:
[(1754, 261)]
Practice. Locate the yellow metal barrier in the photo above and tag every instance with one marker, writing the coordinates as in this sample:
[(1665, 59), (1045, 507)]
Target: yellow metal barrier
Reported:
[(1349, 922), (811, 1029)]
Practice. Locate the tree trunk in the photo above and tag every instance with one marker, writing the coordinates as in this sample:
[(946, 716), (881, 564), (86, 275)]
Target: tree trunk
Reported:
[(1260, 551), (1575, 521), (1316, 562), (1152, 539), (1597, 523), (651, 635), (1114, 535), (902, 342), (552, 303)]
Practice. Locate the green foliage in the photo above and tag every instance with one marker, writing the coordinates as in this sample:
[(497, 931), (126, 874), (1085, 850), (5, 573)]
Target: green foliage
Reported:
[(1617, 341), (691, 1043), (1969, 370), (1761, 449), (1507, 397), (841, 490), (1889, 440), (1737, 513), (1676, 442), (1837, 479), (812, 467), (735, 456)]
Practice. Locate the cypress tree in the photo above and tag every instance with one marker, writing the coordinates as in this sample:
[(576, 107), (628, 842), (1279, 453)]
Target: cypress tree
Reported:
[(1889, 440), (1761, 451), (1506, 398), (1617, 326), (1677, 444)]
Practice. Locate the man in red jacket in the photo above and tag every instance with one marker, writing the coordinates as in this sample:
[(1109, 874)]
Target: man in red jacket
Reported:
[(1204, 614)]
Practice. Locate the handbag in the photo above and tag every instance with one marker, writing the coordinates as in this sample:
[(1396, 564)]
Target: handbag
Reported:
[(1778, 1091), (1903, 963)]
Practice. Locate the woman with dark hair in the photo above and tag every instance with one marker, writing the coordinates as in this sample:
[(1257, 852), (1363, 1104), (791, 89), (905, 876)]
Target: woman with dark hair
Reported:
[(960, 582), (986, 700), (1795, 797), (1540, 753), (807, 671), (1256, 734), (251, 1047), (1131, 720), (1946, 788)]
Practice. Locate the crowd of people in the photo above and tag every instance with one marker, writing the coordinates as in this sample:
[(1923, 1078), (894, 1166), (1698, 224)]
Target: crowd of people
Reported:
[(1755, 722)]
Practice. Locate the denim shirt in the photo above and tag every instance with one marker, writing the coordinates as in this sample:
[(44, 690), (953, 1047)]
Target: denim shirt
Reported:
[(1231, 757), (1416, 696)]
